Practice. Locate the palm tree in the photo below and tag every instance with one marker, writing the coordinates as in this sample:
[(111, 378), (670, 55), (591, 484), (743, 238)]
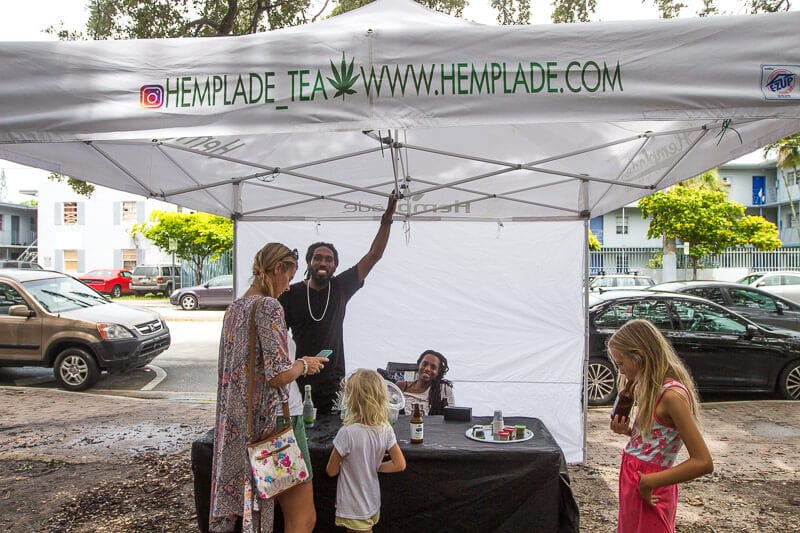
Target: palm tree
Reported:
[(788, 153)]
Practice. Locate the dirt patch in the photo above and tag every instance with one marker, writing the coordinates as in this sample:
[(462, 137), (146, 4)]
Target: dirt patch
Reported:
[(89, 463)]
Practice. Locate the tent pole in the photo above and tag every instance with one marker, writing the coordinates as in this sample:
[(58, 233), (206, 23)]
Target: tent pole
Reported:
[(584, 404)]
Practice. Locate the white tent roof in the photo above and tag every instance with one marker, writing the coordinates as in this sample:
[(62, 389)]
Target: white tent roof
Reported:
[(525, 123)]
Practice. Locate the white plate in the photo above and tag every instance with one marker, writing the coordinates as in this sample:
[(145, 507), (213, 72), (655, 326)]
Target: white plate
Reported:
[(487, 431)]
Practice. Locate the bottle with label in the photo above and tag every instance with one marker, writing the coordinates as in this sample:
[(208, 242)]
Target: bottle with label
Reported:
[(309, 413), (417, 426), (497, 423), (624, 402)]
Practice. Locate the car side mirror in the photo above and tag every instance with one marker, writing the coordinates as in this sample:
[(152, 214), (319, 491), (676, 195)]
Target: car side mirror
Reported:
[(751, 331), (760, 284), (780, 307), (21, 310)]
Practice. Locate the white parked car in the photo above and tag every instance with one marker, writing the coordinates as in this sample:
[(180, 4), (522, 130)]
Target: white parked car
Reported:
[(616, 282), (784, 283)]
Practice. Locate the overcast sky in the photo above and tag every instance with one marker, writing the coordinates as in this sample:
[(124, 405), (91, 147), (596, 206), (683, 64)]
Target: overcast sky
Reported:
[(25, 20)]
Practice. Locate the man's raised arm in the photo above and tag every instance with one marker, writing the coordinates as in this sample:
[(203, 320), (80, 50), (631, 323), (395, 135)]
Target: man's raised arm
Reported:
[(379, 242)]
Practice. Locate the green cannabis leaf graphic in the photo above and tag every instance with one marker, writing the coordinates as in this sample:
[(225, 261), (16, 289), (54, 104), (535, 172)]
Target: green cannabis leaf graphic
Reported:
[(343, 80)]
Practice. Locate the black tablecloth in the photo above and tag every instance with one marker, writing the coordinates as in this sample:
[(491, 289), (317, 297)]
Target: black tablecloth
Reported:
[(451, 483)]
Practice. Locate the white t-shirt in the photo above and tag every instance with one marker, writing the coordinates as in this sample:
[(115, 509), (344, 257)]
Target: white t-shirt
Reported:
[(358, 492)]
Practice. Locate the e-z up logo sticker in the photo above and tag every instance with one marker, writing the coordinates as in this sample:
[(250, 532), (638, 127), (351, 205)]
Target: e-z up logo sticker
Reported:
[(779, 82)]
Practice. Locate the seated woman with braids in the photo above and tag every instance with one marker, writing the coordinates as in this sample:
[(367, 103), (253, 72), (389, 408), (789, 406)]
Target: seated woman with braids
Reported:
[(430, 391)]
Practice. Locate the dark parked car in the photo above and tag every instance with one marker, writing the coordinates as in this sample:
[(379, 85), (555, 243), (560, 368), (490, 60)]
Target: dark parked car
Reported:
[(723, 350), (216, 292), (27, 265), (53, 320), (760, 306), (112, 281)]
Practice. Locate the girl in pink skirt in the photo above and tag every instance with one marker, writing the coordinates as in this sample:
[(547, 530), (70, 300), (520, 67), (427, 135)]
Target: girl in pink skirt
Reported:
[(665, 419)]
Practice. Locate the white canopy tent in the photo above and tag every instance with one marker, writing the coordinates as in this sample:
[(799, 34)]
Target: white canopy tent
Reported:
[(297, 134)]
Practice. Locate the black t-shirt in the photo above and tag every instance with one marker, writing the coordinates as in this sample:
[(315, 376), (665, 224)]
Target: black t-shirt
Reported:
[(311, 336)]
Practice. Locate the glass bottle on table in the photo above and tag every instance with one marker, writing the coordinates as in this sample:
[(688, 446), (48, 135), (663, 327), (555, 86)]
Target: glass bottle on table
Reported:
[(624, 402), (309, 413), (417, 425), (497, 423)]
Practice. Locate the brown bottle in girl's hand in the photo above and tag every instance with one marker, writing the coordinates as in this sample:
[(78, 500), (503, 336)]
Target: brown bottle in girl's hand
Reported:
[(624, 402)]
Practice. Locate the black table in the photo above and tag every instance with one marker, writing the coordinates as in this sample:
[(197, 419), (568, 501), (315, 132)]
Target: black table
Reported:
[(451, 483)]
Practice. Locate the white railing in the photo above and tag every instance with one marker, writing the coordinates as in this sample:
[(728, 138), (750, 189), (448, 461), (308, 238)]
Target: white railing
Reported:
[(626, 260)]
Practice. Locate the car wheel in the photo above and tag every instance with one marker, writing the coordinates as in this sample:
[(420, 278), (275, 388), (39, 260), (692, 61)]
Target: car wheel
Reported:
[(168, 290), (189, 302), (601, 382), (116, 291), (75, 369), (789, 382)]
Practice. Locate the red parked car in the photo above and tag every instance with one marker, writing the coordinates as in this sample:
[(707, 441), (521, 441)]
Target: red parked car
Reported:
[(112, 281)]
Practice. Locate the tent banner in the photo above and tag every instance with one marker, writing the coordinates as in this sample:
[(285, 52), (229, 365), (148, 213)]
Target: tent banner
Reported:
[(395, 64)]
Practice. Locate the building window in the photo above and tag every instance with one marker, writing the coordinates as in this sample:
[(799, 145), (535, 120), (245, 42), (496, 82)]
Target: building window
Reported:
[(33, 224), (622, 225), (129, 258), (129, 211), (791, 177), (70, 260), (70, 213)]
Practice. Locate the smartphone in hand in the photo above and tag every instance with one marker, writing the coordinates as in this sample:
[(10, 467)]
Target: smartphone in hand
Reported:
[(325, 353)]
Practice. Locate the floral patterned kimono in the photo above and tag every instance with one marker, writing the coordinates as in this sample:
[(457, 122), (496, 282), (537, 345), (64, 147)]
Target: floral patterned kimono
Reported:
[(231, 486)]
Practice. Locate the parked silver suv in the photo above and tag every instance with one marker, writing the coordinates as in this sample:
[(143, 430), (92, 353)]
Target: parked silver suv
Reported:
[(156, 279), (53, 320)]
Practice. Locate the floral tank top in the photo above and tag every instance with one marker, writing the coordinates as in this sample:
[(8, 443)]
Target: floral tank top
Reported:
[(662, 445)]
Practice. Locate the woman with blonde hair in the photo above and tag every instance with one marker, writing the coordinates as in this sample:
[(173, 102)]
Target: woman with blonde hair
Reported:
[(233, 499), (665, 419), (358, 451)]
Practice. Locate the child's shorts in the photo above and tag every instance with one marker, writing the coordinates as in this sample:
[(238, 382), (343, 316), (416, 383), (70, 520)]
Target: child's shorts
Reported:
[(359, 524)]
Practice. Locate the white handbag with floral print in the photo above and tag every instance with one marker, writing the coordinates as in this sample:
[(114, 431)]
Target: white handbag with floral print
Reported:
[(276, 460)]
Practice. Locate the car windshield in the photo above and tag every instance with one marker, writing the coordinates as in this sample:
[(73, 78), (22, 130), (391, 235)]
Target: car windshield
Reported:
[(101, 273), (747, 280), (58, 295), (145, 271)]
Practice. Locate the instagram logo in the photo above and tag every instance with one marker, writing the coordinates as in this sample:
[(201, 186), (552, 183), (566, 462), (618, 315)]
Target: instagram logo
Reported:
[(151, 96)]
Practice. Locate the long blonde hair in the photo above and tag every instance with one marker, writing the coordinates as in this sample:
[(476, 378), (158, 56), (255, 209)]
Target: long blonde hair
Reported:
[(643, 342), (366, 399), (266, 259)]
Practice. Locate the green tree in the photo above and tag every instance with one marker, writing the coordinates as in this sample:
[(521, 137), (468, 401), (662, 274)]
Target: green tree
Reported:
[(768, 6), (512, 12), (705, 219), (450, 7), (787, 151), (572, 10), (151, 19), (199, 237), (80, 187)]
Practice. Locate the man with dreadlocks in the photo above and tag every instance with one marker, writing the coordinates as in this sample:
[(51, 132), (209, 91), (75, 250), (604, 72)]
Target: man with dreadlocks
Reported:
[(315, 308), (430, 390)]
